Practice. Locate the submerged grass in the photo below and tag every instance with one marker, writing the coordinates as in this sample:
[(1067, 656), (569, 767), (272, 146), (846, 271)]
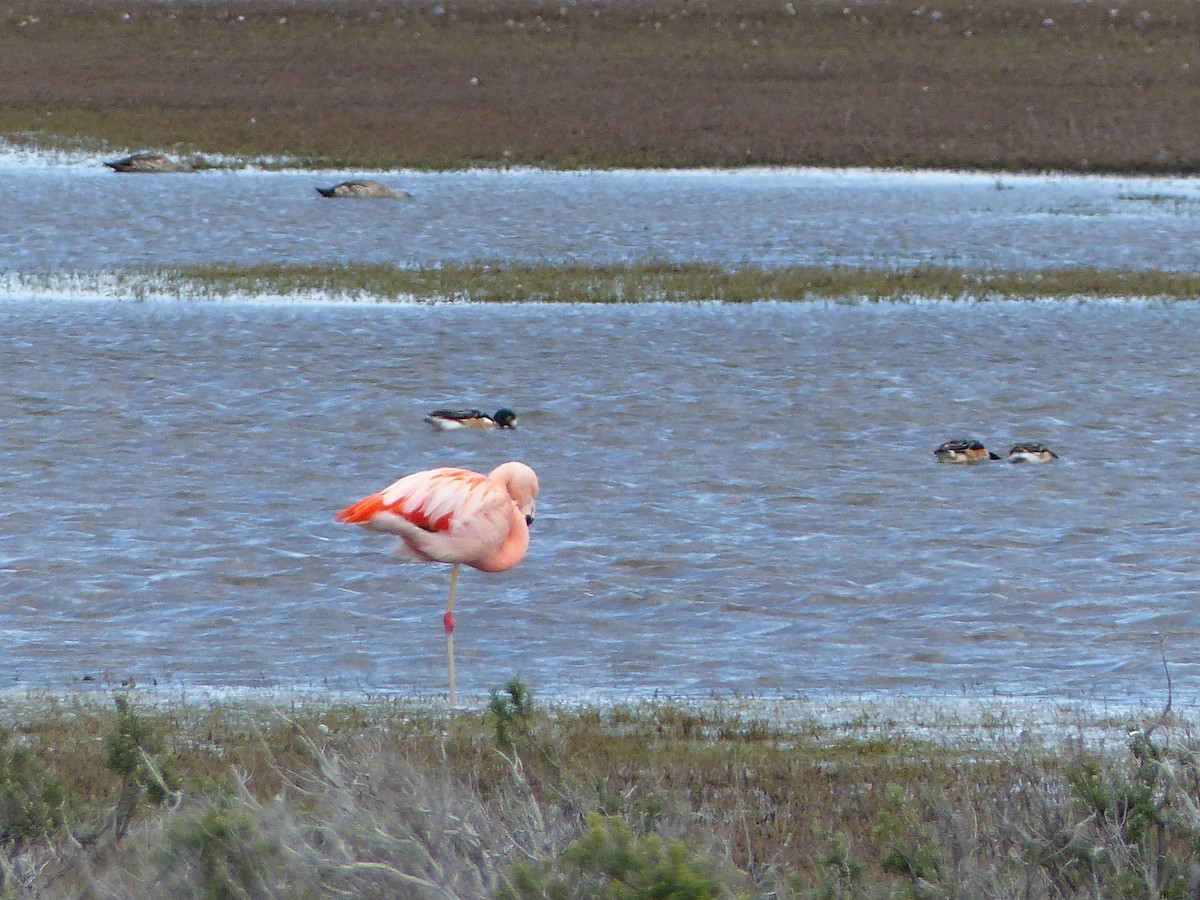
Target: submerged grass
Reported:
[(649, 282), (120, 795)]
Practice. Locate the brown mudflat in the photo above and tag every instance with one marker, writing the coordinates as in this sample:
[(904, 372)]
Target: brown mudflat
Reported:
[(1017, 85)]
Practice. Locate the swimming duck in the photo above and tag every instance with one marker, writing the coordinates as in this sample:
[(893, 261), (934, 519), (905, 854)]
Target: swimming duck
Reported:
[(364, 189), (963, 452), (447, 419), (148, 162), (1028, 451)]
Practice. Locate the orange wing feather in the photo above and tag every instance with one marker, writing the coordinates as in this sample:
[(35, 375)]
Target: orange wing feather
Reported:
[(362, 511), (431, 500)]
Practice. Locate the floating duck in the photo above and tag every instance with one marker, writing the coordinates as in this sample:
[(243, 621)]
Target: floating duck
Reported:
[(148, 162), (963, 452), (1028, 451), (363, 189), (448, 419)]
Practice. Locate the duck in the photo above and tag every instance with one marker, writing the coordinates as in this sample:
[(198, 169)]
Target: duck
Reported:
[(963, 452), (363, 189), (448, 419), (1029, 451), (148, 162)]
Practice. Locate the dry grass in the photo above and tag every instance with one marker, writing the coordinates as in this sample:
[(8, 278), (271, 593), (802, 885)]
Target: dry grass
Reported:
[(381, 798), (1024, 84)]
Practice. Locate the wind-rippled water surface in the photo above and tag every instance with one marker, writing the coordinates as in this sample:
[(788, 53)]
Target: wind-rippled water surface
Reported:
[(83, 217), (734, 499)]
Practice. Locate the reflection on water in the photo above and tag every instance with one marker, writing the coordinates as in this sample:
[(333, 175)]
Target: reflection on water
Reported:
[(734, 499)]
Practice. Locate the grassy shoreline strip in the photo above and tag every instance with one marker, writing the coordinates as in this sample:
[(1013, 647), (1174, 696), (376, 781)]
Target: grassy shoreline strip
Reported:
[(641, 283)]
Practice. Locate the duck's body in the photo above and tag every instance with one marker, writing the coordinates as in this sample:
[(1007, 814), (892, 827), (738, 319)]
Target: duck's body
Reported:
[(963, 452), (449, 419), (371, 190), (1028, 451), (147, 162)]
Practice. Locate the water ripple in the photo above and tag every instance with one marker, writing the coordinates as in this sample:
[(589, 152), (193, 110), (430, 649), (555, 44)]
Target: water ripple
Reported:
[(172, 472)]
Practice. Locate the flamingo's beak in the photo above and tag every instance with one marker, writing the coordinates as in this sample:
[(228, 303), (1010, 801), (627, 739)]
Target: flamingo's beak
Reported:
[(529, 520)]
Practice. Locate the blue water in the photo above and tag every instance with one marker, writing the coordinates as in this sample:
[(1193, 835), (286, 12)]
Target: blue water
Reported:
[(83, 217), (734, 499)]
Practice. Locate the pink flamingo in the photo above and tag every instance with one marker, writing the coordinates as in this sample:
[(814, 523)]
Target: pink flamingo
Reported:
[(455, 516)]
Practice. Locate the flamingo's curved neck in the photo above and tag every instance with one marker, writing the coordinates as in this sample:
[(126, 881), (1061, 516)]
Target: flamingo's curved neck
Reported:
[(513, 550)]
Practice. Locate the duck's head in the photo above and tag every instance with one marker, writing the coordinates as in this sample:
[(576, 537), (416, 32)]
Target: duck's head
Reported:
[(505, 418)]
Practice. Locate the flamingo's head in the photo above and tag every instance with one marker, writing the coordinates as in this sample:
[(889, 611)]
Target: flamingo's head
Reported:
[(521, 482)]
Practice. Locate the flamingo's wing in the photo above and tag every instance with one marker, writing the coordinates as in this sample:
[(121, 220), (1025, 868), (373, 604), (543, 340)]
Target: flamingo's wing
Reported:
[(445, 515)]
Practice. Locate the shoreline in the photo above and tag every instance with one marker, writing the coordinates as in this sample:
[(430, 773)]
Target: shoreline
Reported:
[(951, 720), (15, 154)]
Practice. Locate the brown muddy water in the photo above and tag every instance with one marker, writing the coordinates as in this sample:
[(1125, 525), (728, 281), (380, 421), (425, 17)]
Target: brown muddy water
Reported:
[(735, 500)]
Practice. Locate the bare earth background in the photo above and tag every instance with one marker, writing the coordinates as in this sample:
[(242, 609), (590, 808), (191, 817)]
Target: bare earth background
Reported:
[(1016, 85)]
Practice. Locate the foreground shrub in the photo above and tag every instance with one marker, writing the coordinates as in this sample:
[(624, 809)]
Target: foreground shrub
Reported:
[(31, 799), (131, 744), (223, 850), (653, 801), (609, 861)]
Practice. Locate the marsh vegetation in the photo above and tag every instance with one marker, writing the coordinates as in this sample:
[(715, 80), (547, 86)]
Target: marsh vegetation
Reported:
[(116, 795), (641, 283)]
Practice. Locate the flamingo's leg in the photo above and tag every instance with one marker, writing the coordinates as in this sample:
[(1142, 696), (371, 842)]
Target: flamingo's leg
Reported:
[(448, 622)]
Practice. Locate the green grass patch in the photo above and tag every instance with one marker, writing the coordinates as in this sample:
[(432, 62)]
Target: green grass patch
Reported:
[(650, 282)]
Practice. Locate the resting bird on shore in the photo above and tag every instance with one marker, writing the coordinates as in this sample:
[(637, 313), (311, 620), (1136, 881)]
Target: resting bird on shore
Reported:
[(363, 189), (455, 516), (1028, 451), (148, 162), (963, 452), (449, 419)]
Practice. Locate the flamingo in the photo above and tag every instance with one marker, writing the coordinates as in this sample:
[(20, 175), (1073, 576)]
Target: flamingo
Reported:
[(455, 516)]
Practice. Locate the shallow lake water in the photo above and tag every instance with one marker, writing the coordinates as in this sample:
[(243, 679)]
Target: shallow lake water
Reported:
[(734, 499), (83, 217)]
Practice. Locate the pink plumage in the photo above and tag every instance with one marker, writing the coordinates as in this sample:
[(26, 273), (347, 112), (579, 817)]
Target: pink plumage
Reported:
[(455, 516)]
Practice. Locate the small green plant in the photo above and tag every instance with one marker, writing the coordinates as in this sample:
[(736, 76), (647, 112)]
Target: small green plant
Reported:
[(130, 746), (609, 861), (510, 708), (31, 799), (222, 851), (839, 872), (909, 849)]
